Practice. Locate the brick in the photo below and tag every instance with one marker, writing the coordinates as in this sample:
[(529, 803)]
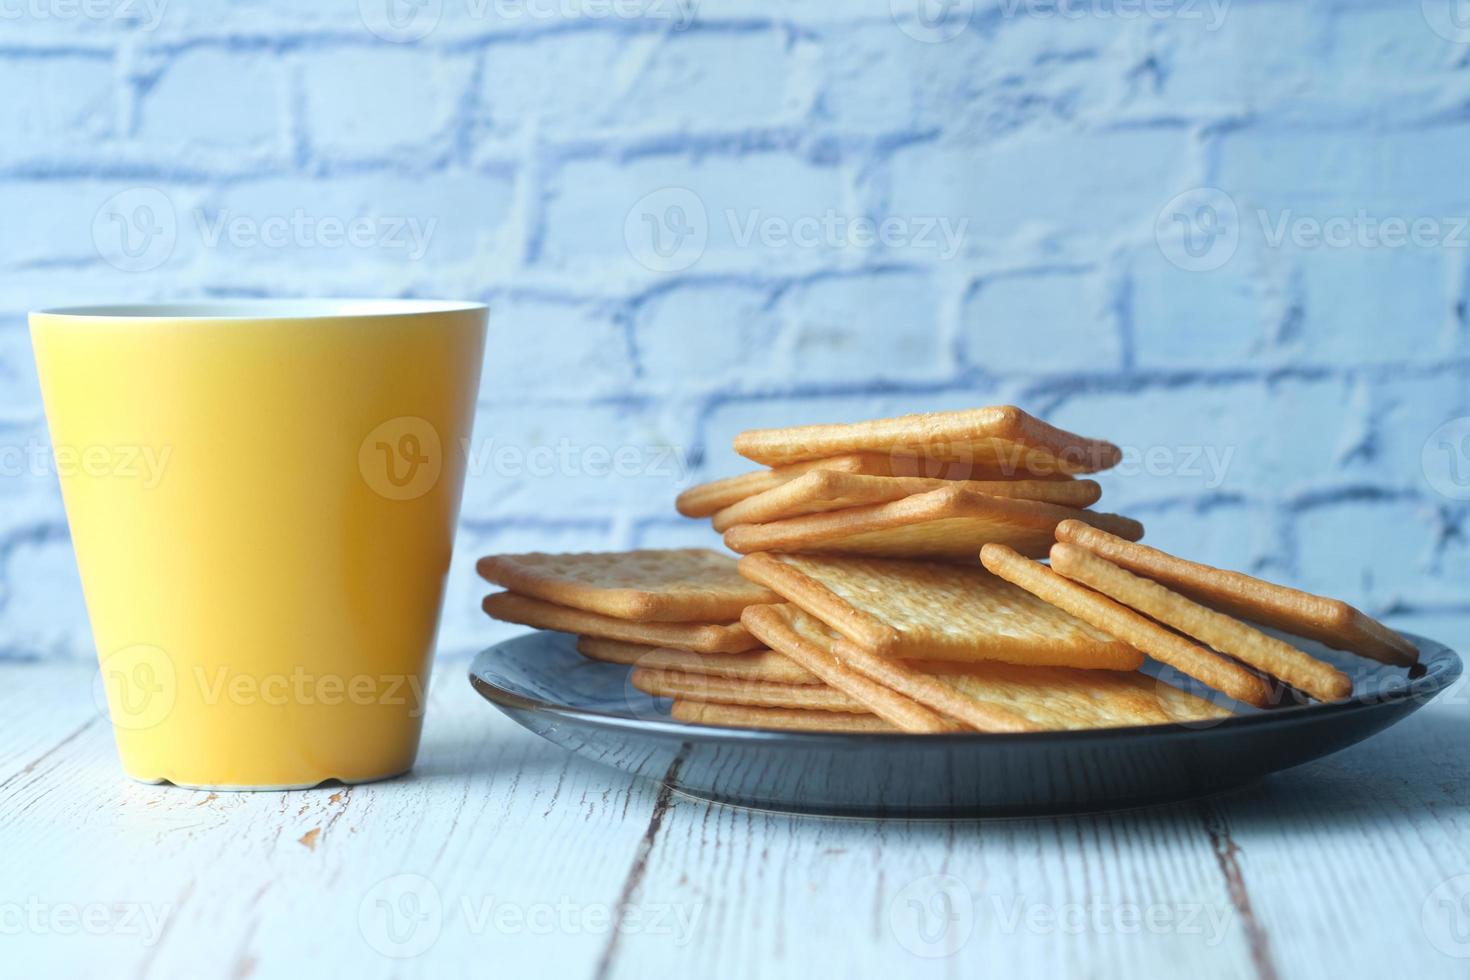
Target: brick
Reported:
[(580, 349), (1239, 536), (647, 81), (215, 99), (1374, 305), (704, 335), (1381, 552), (1036, 182), (1047, 322), (66, 100), (373, 101), (1405, 415), (875, 327), (1187, 319), (41, 608), (582, 461), (587, 219)]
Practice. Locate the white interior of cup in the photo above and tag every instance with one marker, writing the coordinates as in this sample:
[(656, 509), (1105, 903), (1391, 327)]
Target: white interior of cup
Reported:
[(257, 309)]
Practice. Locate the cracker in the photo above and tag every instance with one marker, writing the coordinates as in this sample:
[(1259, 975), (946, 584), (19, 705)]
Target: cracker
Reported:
[(919, 610), (1125, 624), (756, 665), (1001, 436), (705, 499), (700, 637), (786, 629), (1328, 621), (781, 719), (824, 490), (1229, 636), (680, 585), (949, 524), (1063, 698), (733, 690)]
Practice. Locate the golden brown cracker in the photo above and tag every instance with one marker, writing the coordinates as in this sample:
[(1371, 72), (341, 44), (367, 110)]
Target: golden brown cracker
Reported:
[(949, 524), (734, 690), (1001, 436), (700, 637), (1125, 624), (787, 630), (1221, 632), (1328, 621), (921, 610), (780, 719), (681, 585), (1063, 698), (824, 490), (755, 665)]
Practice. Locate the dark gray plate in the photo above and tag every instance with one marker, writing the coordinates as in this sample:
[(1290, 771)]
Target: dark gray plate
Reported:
[(590, 708)]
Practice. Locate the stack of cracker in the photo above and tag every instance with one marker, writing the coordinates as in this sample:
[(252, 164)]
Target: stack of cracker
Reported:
[(886, 584)]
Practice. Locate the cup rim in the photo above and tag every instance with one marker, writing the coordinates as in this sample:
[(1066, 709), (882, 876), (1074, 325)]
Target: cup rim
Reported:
[(264, 309)]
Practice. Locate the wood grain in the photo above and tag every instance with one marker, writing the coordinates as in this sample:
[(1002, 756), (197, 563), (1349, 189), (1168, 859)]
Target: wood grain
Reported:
[(1321, 872)]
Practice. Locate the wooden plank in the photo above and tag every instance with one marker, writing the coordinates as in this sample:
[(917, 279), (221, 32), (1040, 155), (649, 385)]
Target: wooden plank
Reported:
[(518, 841)]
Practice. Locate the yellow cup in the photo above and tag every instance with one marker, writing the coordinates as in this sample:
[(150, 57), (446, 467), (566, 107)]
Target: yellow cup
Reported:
[(262, 497)]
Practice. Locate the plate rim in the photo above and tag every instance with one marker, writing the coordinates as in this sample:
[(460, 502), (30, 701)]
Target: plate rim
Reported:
[(1426, 687)]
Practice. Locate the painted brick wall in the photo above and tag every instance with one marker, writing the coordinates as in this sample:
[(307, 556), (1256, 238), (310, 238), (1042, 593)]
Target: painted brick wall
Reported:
[(1228, 235)]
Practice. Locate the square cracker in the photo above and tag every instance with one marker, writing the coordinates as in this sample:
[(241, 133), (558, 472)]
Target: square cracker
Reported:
[(1000, 436), (682, 585), (786, 629), (705, 499), (779, 719), (756, 665), (1221, 632), (734, 690), (928, 611), (1064, 698), (1118, 620), (1329, 621), (824, 490), (700, 637), (950, 524)]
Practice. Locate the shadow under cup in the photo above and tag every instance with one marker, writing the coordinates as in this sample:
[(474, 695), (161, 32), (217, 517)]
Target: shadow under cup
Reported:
[(262, 497)]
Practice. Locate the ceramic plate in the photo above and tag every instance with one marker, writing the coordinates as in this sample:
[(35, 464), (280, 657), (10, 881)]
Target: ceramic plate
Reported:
[(590, 708)]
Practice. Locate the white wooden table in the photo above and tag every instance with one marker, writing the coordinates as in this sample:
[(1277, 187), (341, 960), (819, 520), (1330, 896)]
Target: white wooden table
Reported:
[(503, 856)]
